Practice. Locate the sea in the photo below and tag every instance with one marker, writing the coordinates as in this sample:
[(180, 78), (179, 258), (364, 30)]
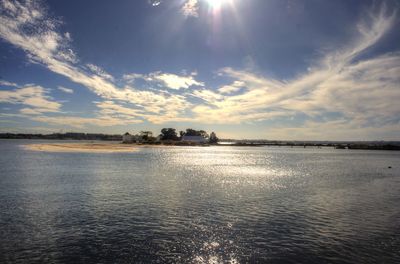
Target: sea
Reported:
[(217, 204)]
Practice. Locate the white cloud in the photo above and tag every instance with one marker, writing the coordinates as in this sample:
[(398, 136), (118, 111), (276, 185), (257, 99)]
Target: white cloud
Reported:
[(5, 83), (33, 111), (174, 81), (110, 108), (131, 77), (65, 90), (190, 8), (168, 80), (99, 71), (231, 88), (209, 96), (36, 97)]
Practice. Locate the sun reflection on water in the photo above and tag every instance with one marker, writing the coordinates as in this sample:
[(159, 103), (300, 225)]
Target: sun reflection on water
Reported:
[(230, 168)]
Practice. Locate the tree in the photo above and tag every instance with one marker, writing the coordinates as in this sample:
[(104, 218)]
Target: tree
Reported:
[(193, 132), (203, 133), (168, 134), (213, 138), (146, 134)]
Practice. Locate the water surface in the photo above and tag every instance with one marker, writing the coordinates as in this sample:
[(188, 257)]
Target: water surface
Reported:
[(199, 205)]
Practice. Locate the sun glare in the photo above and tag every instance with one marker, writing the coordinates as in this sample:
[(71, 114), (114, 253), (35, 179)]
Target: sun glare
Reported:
[(215, 3)]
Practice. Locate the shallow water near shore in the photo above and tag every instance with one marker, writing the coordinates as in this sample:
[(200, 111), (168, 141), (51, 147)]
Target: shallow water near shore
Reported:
[(199, 205)]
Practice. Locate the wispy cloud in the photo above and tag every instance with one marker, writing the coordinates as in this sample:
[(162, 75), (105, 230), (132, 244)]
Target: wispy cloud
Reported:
[(35, 97), (362, 92), (27, 26), (231, 88), (113, 109), (100, 72), (65, 90), (6, 83)]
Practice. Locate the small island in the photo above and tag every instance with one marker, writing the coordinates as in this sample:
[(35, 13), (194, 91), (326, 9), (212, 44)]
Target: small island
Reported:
[(169, 136), (125, 143)]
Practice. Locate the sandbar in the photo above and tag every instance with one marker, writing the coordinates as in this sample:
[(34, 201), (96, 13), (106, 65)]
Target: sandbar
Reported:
[(81, 147)]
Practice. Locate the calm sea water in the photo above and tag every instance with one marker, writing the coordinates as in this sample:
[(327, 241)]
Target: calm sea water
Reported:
[(199, 205)]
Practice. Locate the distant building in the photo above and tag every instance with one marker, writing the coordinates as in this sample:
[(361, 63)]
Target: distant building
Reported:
[(194, 139), (127, 138), (138, 139)]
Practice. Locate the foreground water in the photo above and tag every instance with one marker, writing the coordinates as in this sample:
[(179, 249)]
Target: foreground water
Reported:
[(199, 205)]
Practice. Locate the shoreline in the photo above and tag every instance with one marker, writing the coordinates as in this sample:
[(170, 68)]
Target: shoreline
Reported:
[(96, 147)]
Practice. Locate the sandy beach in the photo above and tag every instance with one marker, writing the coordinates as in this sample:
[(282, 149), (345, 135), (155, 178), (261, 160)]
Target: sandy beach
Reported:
[(81, 147)]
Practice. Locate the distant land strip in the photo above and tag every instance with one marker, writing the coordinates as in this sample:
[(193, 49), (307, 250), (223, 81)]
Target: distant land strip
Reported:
[(370, 145)]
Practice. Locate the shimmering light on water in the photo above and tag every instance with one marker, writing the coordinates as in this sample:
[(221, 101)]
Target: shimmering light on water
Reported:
[(199, 205)]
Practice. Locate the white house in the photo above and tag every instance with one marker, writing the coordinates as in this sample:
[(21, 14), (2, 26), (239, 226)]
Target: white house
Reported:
[(194, 139), (127, 138)]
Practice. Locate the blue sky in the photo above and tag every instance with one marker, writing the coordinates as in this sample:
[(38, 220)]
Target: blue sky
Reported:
[(272, 69)]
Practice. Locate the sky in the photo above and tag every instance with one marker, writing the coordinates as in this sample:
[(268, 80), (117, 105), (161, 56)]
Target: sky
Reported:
[(255, 69)]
